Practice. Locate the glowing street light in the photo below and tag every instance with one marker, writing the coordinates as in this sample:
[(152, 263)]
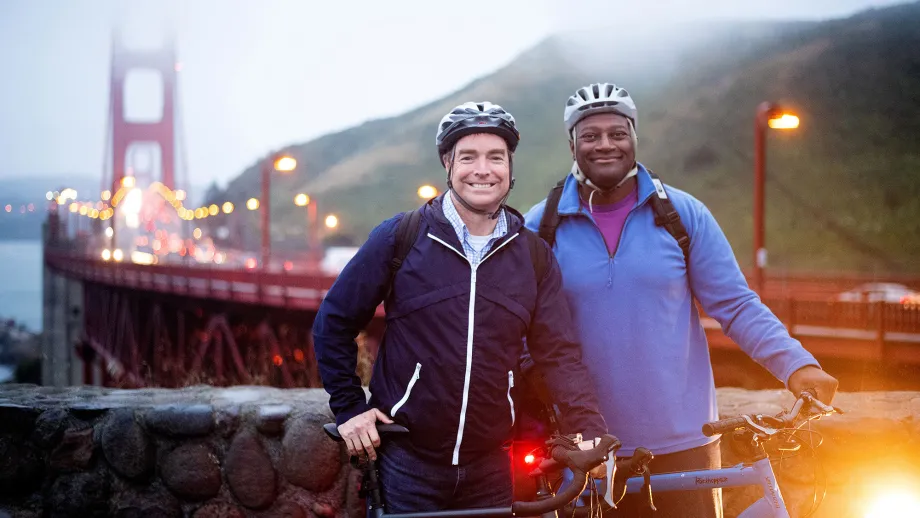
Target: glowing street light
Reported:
[(213, 209), (784, 121), (426, 192), (106, 195), (180, 195), (767, 115), (127, 182), (332, 221), (228, 207), (252, 204), (106, 254), (118, 255), (301, 200), (284, 164)]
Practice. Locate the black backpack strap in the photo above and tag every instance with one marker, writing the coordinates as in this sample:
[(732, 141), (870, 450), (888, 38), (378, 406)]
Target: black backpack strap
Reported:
[(666, 216), (537, 254), (406, 235), (550, 220)]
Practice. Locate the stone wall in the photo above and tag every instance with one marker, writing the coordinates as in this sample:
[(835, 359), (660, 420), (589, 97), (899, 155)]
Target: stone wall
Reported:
[(254, 451)]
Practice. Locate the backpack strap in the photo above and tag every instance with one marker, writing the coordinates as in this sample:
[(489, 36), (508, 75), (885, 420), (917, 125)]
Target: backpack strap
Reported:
[(551, 219), (406, 235), (537, 255), (666, 216)]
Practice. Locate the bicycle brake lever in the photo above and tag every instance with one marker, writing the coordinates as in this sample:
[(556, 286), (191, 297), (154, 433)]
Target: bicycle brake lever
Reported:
[(647, 489)]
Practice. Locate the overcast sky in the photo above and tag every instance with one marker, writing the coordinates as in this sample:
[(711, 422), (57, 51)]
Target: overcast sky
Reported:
[(257, 75)]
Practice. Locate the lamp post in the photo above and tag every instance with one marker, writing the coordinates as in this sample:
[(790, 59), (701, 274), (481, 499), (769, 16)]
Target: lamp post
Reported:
[(768, 115), (282, 163), (304, 200)]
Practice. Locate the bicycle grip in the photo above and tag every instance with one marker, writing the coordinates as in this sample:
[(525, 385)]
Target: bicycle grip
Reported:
[(723, 426)]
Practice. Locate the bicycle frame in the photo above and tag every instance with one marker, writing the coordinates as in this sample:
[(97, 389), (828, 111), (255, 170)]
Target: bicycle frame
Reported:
[(760, 473)]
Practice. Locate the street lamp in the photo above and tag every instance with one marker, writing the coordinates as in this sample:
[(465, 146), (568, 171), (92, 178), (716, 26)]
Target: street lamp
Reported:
[(282, 163), (426, 192), (773, 116), (332, 221), (304, 200)]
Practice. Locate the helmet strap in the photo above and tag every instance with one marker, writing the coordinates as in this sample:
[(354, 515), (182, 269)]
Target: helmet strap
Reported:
[(583, 179)]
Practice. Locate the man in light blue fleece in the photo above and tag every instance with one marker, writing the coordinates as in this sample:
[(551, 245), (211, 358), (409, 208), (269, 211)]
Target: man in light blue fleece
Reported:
[(631, 287)]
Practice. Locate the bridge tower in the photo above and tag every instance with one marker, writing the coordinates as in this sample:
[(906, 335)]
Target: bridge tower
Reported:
[(129, 135)]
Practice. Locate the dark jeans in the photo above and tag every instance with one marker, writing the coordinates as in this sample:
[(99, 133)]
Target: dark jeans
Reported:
[(703, 503), (413, 484)]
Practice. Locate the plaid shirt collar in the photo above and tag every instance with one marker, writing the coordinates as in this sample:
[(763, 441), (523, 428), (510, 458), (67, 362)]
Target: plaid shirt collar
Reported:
[(463, 233)]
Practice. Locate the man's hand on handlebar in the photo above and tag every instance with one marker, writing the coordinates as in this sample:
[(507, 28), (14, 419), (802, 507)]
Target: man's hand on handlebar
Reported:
[(360, 433), (599, 471), (812, 377)]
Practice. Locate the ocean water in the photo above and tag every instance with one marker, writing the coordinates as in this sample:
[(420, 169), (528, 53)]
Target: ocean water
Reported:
[(21, 282)]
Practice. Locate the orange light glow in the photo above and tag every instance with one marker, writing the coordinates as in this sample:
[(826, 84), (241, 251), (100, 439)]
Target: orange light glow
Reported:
[(288, 266), (277, 360), (426, 192), (784, 121), (298, 355), (285, 164)]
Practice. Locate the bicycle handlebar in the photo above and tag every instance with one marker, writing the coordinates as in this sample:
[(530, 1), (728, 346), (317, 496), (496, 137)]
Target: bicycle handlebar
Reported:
[(580, 462), (807, 402)]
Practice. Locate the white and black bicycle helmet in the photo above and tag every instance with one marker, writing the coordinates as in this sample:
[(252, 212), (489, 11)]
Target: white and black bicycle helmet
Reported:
[(591, 100), (598, 98), (470, 118)]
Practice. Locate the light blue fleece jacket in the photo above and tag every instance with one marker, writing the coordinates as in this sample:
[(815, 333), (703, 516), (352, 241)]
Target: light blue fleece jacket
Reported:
[(640, 331)]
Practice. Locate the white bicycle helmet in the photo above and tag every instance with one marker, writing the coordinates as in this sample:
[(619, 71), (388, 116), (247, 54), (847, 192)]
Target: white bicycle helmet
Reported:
[(598, 98), (593, 99)]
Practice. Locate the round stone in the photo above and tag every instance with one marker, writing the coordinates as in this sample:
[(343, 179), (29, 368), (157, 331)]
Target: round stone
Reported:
[(74, 452), (310, 459), (49, 426), (271, 418), (181, 420), (191, 471), (125, 445), (249, 472)]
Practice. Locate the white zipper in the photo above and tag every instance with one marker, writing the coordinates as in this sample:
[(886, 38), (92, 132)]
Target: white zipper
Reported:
[(455, 460), (510, 400), (401, 402)]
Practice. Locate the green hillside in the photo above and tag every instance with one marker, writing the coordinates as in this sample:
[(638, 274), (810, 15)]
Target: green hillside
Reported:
[(843, 190)]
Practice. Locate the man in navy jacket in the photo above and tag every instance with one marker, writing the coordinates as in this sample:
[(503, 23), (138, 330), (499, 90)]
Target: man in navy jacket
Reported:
[(457, 312)]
